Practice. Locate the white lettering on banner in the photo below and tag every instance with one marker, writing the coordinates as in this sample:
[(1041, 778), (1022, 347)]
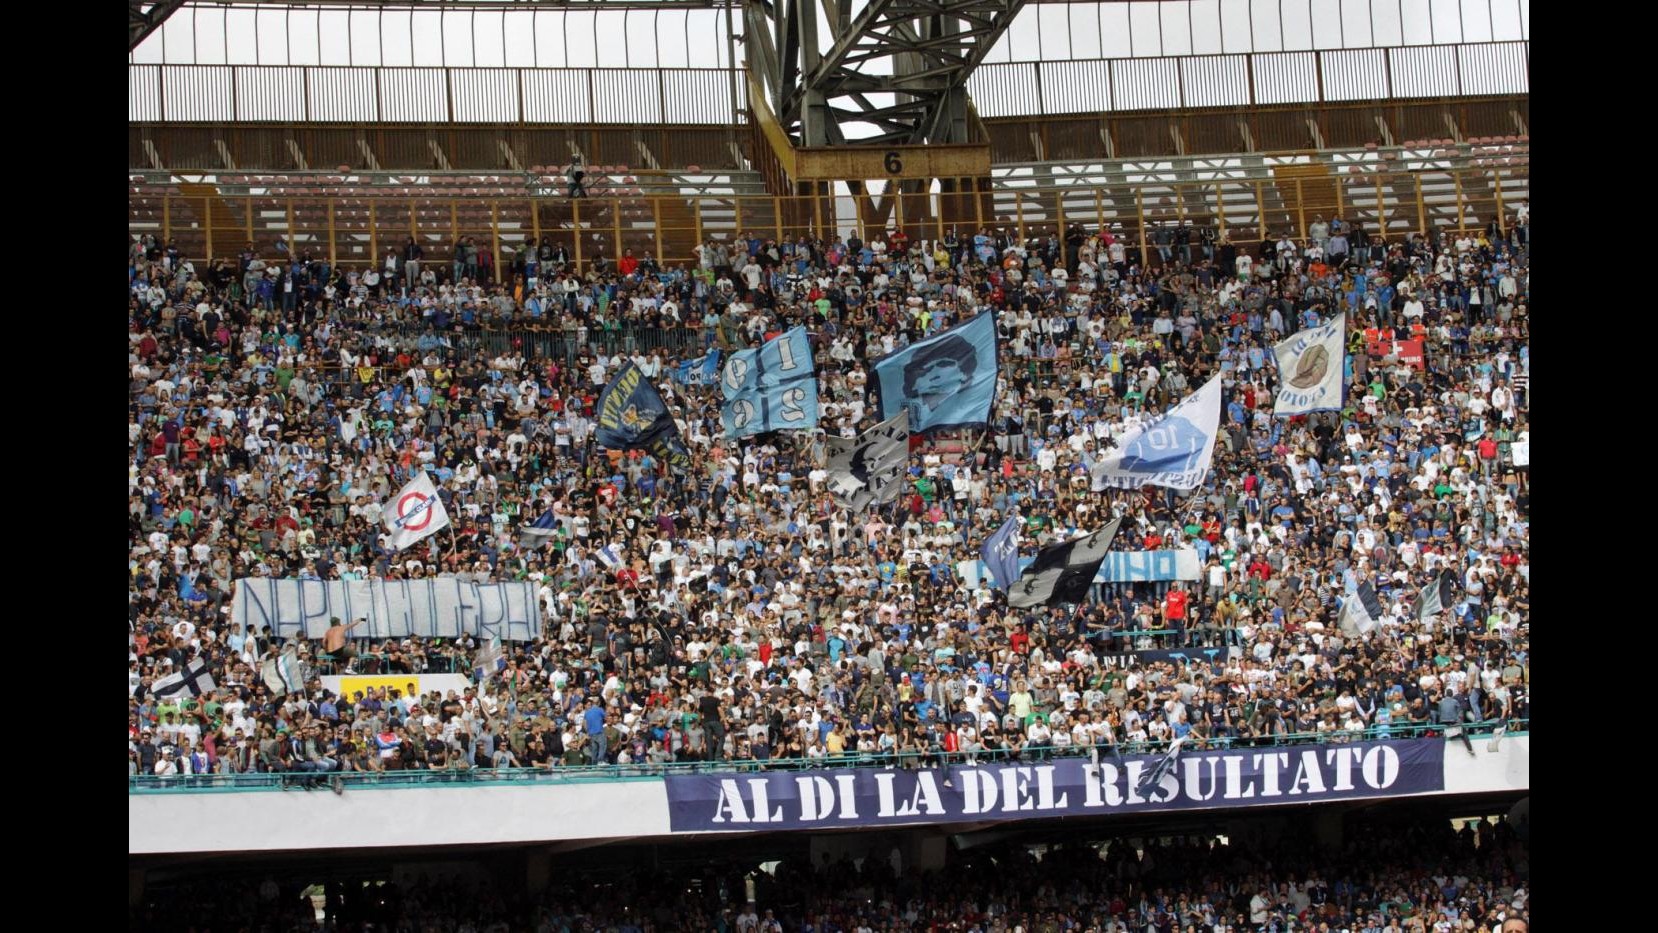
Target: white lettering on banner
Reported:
[(732, 804), (1381, 767), (1012, 790), (1194, 778), (978, 793), (1342, 760), (925, 796), (1272, 762), (814, 789), (1307, 774), (1235, 789), (440, 607)]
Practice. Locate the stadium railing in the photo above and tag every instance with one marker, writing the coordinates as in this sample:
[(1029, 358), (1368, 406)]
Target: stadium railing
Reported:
[(577, 774)]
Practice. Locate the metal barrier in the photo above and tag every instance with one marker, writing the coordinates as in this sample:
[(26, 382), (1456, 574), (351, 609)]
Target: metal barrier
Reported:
[(272, 780), (1397, 192)]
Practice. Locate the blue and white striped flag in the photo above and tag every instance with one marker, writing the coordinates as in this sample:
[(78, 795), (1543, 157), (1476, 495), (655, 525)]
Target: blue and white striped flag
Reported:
[(538, 532), (282, 675), (609, 557)]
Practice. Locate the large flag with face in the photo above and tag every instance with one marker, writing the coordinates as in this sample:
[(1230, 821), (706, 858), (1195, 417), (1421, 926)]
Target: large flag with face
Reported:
[(1310, 366), (1361, 612), (948, 380), (1174, 451), (1062, 573), (770, 388), (1001, 553), (282, 674), (194, 680), (415, 513), (632, 416), (869, 468)]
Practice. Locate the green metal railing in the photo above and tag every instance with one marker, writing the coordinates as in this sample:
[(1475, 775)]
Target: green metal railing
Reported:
[(585, 774)]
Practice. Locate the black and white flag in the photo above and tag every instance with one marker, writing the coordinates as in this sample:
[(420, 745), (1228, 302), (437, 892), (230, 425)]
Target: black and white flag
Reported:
[(1361, 613), (1152, 778), (1062, 573), (869, 469), (194, 680)]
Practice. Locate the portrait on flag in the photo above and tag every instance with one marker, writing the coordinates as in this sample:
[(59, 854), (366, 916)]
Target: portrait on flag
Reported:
[(948, 380), (1310, 367)]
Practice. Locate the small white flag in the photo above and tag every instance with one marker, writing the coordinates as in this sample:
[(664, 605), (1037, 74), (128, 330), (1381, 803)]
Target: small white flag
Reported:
[(415, 513)]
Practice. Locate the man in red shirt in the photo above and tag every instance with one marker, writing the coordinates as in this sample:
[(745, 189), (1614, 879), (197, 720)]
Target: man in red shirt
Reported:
[(1174, 607)]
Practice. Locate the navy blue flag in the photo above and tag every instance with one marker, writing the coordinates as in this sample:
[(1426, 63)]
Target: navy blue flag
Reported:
[(538, 532), (945, 381), (1001, 554), (632, 416)]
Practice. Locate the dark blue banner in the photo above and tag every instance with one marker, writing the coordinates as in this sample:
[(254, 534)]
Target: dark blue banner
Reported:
[(632, 416), (1060, 787)]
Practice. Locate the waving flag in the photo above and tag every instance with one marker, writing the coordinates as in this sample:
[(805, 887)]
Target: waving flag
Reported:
[(1173, 451), (869, 469), (772, 388), (702, 371), (194, 680), (538, 532), (1310, 367), (632, 416), (1001, 553), (415, 513), (282, 674), (1361, 612), (948, 380), (1062, 573), (1152, 778)]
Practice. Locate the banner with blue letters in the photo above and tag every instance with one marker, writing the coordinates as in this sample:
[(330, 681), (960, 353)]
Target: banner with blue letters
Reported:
[(945, 381), (1061, 787), (1164, 566), (437, 607), (770, 388)]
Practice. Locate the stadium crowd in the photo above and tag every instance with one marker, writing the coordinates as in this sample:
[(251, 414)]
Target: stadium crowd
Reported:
[(1399, 877), (275, 405)]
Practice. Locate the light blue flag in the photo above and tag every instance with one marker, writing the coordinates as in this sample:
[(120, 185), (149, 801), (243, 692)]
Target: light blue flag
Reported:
[(702, 371), (1174, 450), (785, 408), (777, 362), (944, 381), (1001, 553), (772, 388)]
